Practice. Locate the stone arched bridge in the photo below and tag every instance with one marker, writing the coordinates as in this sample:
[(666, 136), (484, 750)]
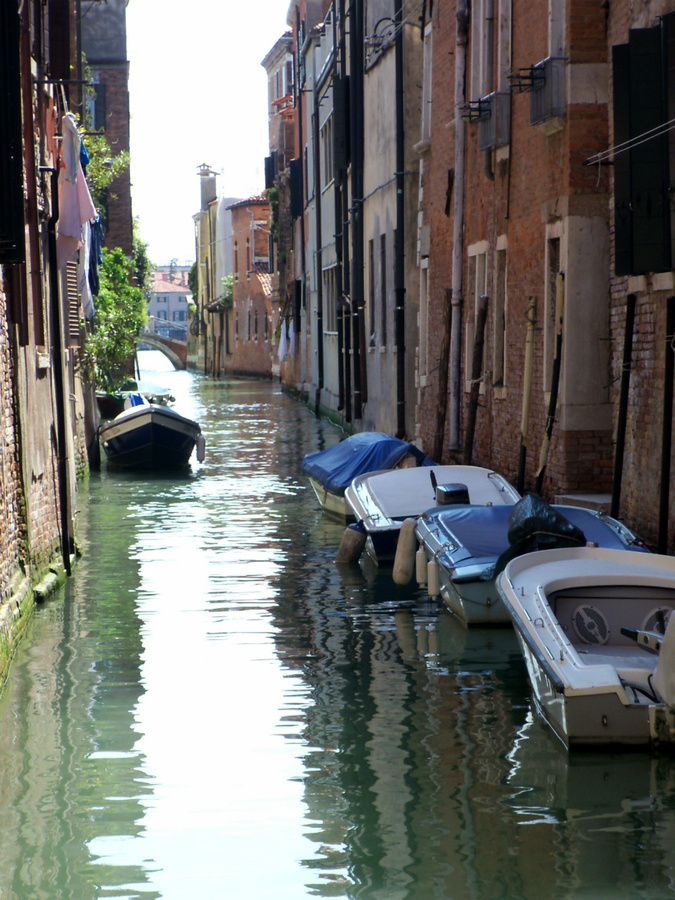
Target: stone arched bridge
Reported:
[(174, 350)]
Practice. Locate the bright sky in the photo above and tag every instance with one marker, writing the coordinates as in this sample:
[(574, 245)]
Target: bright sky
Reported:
[(198, 94)]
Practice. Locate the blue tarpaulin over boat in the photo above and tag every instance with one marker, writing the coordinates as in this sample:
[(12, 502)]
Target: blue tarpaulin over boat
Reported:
[(370, 451), (477, 534)]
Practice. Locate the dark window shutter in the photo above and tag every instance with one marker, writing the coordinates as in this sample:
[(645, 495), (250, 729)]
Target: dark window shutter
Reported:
[(12, 239), (100, 108), (669, 43), (340, 123), (269, 181), (296, 188), (649, 181), (271, 169), (642, 182), (623, 251)]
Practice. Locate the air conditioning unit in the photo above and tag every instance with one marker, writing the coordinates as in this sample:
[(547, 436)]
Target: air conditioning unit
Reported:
[(493, 129), (548, 95)]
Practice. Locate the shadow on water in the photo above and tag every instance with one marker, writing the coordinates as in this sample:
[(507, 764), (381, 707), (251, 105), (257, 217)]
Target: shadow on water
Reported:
[(212, 708)]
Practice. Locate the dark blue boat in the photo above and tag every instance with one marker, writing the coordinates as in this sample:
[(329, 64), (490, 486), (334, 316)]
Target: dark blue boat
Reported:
[(149, 436)]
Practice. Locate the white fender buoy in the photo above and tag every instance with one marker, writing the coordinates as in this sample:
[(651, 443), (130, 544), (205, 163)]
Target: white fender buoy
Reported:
[(421, 566), (404, 561), (352, 544), (433, 578), (201, 447)]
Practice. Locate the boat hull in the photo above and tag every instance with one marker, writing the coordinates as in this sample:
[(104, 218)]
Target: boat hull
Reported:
[(467, 542), (474, 602), (334, 504), (149, 437)]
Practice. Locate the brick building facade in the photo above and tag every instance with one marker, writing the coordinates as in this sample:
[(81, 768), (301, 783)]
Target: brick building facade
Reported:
[(105, 47), (43, 404)]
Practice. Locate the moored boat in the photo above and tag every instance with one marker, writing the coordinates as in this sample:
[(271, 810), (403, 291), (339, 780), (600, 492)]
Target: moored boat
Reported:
[(597, 633), (381, 501), (331, 471), (464, 548), (149, 436), (112, 403)]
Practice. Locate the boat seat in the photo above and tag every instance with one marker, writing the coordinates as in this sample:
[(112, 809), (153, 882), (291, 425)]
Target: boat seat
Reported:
[(624, 659)]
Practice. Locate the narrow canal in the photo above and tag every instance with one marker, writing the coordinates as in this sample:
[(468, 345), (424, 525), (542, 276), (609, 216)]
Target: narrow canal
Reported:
[(210, 709)]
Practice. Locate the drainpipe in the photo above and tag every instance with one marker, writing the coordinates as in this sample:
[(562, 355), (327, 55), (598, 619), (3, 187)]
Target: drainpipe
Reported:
[(319, 266), (489, 73), (339, 217), (399, 246), (303, 190), (57, 366), (356, 121), (456, 300)]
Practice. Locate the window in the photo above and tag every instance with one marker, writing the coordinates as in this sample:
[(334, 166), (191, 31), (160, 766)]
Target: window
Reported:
[(550, 293), (248, 258), (423, 360), (383, 290), (482, 48), (326, 145), (426, 84), (329, 301), (236, 261), (499, 319), (371, 289), (644, 99), (12, 237), (476, 288)]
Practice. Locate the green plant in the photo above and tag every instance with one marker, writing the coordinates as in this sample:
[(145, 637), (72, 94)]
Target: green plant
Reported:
[(227, 297), (273, 199), (118, 321)]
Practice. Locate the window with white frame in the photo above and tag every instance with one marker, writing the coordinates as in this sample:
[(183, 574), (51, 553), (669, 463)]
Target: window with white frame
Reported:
[(371, 289), (550, 295), (423, 360), (499, 318), (330, 301), (426, 84), (326, 147), (482, 47), (476, 288), (383, 290)]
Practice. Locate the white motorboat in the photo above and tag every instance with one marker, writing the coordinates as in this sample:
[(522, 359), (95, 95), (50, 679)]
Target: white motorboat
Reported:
[(596, 630), (381, 501), (464, 547)]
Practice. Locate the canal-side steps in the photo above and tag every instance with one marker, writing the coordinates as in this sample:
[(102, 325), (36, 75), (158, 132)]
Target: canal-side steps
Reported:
[(17, 608)]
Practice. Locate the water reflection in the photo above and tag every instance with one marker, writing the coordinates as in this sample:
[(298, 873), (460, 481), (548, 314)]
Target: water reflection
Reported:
[(214, 709)]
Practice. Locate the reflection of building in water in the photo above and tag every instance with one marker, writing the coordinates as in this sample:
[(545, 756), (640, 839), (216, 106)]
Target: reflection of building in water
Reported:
[(408, 740), (86, 783), (605, 812)]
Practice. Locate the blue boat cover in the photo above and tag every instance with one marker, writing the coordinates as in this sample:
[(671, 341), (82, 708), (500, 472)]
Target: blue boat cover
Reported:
[(336, 468), (484, 531)]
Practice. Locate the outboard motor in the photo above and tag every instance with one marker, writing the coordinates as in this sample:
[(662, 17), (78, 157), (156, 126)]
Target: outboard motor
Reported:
[(452, 495)]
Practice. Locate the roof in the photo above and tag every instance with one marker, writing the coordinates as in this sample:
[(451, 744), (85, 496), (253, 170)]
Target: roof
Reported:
[(162, 284), (265, 280), (259, 200)]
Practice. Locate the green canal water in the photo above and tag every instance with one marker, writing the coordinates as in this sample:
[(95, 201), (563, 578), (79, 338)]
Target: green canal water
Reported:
[(210, 709)]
